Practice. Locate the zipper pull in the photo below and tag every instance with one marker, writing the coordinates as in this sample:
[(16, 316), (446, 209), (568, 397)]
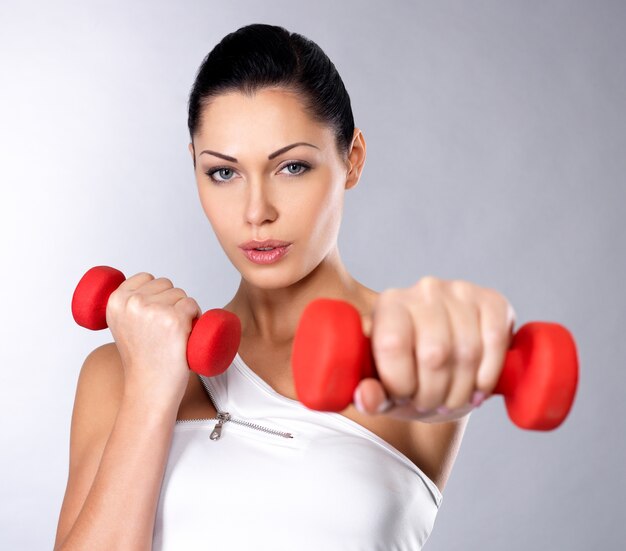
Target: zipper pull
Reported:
[(217, 430)]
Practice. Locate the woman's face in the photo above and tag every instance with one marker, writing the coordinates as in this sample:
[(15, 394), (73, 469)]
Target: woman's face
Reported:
[(296, 196)]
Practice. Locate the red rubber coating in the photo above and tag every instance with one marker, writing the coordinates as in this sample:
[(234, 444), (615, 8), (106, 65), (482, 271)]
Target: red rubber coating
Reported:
[(331, 355), (214, 338)]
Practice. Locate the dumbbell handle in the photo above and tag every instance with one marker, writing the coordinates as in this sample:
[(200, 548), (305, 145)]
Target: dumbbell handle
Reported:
[(214, 338)]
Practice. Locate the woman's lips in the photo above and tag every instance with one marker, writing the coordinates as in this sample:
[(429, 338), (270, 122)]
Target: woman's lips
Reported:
[(254, 244), (266, 257)]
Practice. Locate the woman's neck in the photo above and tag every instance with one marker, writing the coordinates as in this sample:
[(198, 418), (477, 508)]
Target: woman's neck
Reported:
[(271, 316)]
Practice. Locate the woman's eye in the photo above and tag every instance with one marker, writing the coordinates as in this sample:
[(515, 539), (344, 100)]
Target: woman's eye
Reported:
[(210, 173), (223, 170), (301, 165)]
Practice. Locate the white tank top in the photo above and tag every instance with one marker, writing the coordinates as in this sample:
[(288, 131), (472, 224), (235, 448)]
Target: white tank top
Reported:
[(332, 485)]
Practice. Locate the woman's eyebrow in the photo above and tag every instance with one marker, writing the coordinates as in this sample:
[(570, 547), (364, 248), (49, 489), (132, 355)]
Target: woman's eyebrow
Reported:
[(270, 156)]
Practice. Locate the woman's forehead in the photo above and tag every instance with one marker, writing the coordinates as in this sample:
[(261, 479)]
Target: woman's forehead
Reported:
[(233, 118), (263, 106)]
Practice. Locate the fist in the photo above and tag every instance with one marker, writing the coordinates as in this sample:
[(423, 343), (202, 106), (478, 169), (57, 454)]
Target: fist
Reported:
[(151, 321), (439, 348)]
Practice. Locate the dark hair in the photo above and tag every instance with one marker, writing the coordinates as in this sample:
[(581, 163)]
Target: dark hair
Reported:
[(260, 55)]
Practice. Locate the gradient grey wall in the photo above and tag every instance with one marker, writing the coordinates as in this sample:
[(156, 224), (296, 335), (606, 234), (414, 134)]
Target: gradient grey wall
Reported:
[(496, 154)]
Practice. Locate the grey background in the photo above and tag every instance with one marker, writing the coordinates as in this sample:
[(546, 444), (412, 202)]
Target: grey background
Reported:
[(495, 135)]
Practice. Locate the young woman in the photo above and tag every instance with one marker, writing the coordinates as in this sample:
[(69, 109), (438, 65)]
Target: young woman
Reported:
[(274, 149)]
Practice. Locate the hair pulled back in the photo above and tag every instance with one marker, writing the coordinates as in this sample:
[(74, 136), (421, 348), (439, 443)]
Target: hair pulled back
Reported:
[(267, 56)]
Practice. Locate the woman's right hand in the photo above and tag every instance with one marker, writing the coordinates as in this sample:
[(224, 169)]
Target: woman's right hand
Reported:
[(151, 321)]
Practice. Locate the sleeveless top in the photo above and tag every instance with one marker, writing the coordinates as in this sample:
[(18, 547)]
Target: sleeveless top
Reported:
[(271, 474)]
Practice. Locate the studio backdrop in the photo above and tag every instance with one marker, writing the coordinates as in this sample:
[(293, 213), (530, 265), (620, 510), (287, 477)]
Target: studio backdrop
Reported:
[(495, 139)]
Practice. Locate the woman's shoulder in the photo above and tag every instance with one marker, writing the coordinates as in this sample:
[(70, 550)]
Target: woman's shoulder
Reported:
[(99, 389), (103, 370)]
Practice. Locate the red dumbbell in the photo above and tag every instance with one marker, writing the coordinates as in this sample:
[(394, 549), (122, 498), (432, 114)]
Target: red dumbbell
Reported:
[(214, 338), (331, 355)]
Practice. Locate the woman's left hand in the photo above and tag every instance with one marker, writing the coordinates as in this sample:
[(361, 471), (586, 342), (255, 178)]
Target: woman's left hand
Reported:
[(439, 347)]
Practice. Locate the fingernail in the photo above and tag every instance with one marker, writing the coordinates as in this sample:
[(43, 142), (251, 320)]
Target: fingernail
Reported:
[(477, 398), (358, 401), (386, 405), (443, 409)]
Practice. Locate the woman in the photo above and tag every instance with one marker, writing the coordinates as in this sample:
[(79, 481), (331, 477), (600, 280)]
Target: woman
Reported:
[(274, 149)]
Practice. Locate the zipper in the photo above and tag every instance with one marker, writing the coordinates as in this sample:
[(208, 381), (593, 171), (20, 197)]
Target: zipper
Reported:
[(224, 416)]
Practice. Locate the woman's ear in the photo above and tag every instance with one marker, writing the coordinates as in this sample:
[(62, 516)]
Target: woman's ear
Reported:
[(356, 159)]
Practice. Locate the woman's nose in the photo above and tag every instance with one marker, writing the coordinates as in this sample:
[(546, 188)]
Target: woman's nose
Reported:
[(259, 203)]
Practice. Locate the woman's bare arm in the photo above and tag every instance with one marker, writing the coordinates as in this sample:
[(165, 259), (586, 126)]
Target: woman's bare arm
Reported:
[(119, 445)]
